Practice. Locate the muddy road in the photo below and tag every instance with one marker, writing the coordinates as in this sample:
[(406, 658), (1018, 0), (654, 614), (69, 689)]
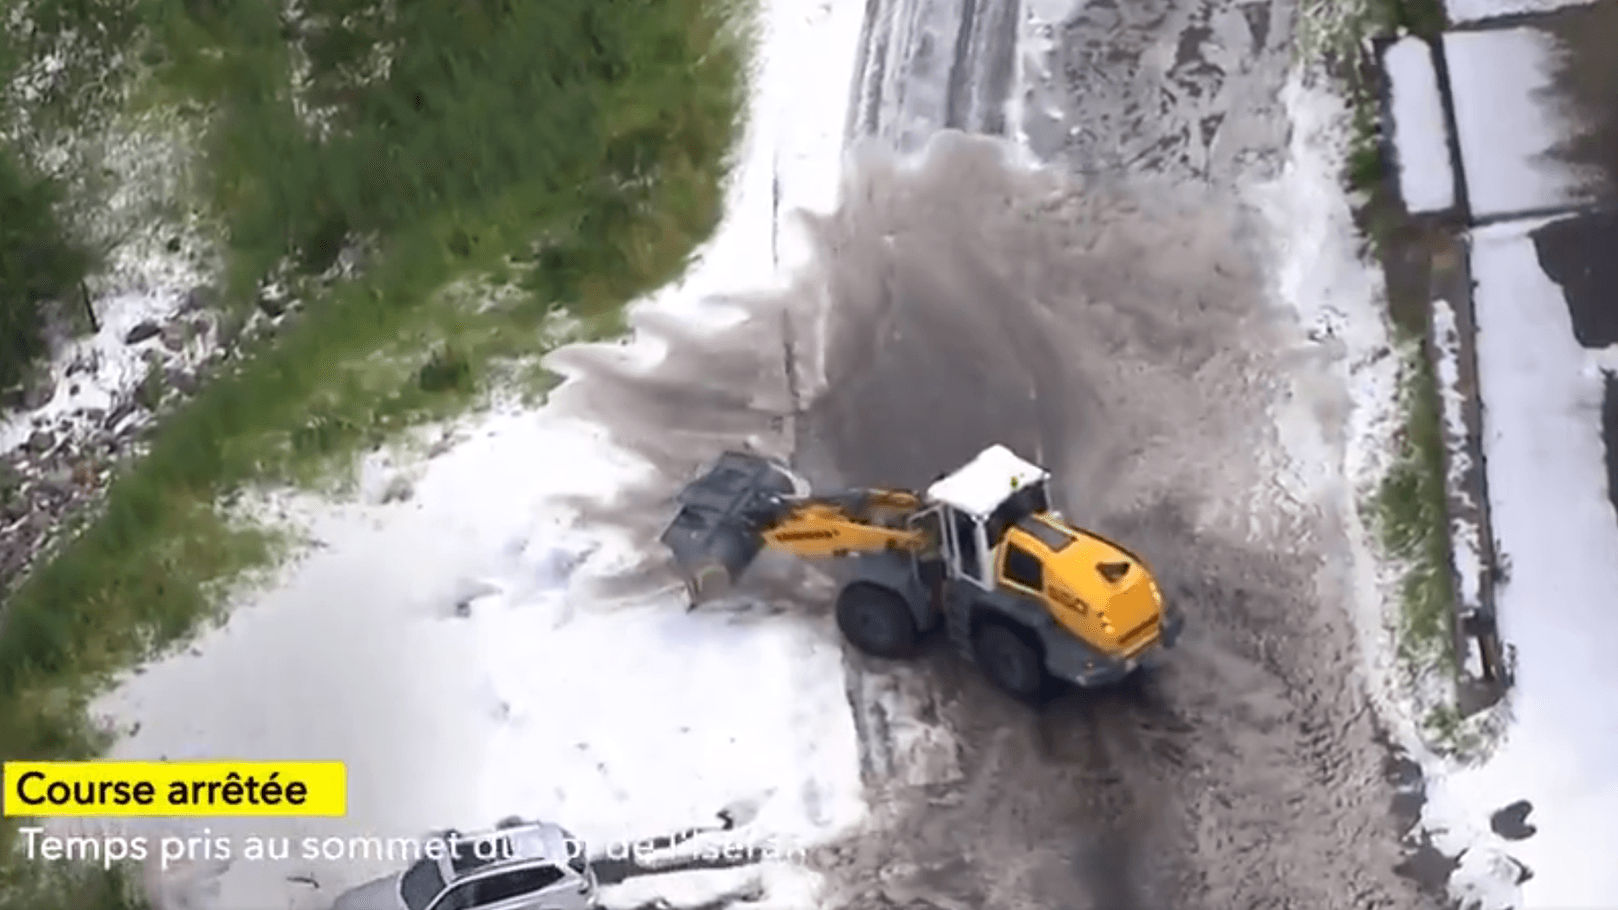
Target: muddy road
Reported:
[(1116, 334), (1111, 318)]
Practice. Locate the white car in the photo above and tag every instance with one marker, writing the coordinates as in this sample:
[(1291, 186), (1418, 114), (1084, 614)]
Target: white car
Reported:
[(518, 866)]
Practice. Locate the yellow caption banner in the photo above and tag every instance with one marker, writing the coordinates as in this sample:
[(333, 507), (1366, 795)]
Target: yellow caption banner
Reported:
[(177, 788)]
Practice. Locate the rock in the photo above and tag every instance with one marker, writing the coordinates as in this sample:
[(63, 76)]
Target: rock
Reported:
[(41, 441), (95, 415), (175, 335), (141, 332), (271, 306), (124, 409), (201, 297), (200, 327), (57, 484), (1511, 822), (399, 489)]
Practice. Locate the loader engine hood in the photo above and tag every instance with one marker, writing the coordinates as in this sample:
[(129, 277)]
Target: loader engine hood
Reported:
[(1088, 574)]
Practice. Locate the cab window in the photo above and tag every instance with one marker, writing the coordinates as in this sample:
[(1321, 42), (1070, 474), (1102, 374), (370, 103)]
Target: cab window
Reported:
[(1024, 568), (966, 545)]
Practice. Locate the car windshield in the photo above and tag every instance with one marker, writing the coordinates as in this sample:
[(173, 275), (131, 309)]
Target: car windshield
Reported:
[(420, 884)]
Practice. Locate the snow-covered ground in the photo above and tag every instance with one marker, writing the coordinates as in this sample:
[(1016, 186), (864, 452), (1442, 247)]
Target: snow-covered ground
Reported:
[(1465, 11), (1510, 125), (1421, 139), (1465, 535), (1558, 538), (1532, 821), (620, 718)]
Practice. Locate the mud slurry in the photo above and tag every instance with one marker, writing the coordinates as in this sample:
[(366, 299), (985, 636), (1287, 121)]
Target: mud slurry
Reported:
[(1119, 336)]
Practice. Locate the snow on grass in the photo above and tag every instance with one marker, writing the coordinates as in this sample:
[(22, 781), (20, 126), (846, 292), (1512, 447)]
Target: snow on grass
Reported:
[(1335, 294), (1339, 297), (1557, 530), (454, 646), (1464, 11), (1420, 136), (1509, 123), (155, 254), (1465, 537)]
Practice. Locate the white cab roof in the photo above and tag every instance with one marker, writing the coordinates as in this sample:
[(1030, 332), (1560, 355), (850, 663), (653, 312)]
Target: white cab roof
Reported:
[(980, 485)]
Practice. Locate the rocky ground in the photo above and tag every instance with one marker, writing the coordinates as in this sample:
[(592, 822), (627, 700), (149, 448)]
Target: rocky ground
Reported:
[(66, 454)]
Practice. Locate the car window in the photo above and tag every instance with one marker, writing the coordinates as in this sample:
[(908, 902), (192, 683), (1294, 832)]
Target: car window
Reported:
[(458, 897), (420, 884), (471, 854), (515, 883)]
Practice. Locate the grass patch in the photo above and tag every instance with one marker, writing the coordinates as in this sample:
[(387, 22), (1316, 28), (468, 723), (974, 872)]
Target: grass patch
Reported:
[(81, 886), (38, 261), (1412, 520), (516, 169)]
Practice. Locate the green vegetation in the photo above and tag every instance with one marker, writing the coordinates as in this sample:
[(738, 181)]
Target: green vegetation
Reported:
[(1410, 508), (1334, 34), (37, 263), (1413, 523), (78, 886), (507, 166)]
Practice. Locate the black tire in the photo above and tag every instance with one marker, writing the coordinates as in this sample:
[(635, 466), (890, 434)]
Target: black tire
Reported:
[(1011, 660), (877, 621)]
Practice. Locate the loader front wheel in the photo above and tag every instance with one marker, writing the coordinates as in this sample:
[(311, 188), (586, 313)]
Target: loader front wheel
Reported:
[(877, 621), (1011, 661)]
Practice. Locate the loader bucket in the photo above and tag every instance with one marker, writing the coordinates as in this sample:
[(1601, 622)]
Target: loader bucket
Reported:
[(717, 531)]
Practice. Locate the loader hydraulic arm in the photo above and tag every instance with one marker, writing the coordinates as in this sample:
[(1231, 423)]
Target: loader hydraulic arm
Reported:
[(858, 522), (745, 504)]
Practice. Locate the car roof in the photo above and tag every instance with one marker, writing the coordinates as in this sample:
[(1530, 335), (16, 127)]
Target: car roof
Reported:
[(982, 484), (527, 843)]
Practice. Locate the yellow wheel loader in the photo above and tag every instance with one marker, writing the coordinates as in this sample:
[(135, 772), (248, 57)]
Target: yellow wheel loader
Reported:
[(1020, 592)]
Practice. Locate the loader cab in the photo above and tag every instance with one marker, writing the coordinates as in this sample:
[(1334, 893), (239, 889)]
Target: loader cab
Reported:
[(977, 503)]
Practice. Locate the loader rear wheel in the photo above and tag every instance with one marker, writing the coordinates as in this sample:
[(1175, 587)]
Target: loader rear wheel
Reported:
[(877, 621), (1011, 661)]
